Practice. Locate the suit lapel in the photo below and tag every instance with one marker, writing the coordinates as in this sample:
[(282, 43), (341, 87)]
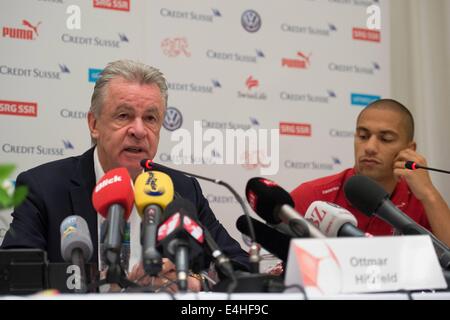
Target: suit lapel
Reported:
[(83, 183)]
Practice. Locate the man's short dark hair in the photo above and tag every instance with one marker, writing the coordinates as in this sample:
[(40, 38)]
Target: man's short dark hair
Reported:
[(394, 105)]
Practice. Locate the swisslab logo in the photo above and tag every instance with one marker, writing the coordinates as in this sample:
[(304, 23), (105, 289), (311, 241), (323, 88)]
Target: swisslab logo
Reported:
[(252, 92), (37, 73)]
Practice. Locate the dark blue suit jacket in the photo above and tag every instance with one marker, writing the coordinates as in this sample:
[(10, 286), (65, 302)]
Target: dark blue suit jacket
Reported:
[(64, 187)]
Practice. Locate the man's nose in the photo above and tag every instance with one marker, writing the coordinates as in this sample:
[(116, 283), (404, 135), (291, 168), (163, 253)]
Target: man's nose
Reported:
[(137, 129), (371, 146)]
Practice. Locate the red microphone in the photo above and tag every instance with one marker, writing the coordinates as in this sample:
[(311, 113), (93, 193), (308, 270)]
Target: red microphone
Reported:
[(411, 165), (113, 198)]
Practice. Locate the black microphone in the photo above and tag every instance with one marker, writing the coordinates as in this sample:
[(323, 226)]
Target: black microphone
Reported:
[(411, 165), (221, 260), (270, 239), (371, 199), (275, 205), (148, 164), (181, 239), (76, 247)]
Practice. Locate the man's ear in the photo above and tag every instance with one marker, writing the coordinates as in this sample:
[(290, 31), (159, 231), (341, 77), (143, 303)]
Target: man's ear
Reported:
[(412, 145), (92, 123)]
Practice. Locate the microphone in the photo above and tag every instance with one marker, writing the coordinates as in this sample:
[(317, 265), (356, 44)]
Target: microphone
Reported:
[(371, 199), (270, 239), (221, 260), (153, 191), (76, 246), (275, 205), (148, 164), (181, 239), (333, 220), (113, 198), (411, 165)]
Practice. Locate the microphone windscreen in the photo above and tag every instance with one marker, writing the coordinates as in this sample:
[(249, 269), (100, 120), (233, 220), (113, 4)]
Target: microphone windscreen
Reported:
[(75, 235), (270, 239), (152, 187), (180, 204), (115, 187), (265, 197), (411, 165), (364, 194)]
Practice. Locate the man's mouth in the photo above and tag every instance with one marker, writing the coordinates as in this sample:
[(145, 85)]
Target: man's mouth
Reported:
[(370, 161), (134, 150)]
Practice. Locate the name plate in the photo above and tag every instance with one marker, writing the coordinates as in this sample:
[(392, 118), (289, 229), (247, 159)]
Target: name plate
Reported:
[(357, 265)]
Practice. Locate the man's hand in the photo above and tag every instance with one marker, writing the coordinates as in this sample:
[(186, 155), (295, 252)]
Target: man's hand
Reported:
[(419, 181), (166, 279)]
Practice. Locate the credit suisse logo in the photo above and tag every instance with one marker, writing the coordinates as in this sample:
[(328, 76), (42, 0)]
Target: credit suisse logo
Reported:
[(27, 31), (174, 47), (312, 165), (39, 150), (308, 97), (302, 61), (37, 73), (18, 108), (190, 15), (309, 30), (95, 41), (295, 129), (121, 5), (366, 35), (195, 87), (235, 56)]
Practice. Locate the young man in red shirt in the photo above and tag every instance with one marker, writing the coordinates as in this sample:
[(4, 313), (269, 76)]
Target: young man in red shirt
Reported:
[(384, 141)]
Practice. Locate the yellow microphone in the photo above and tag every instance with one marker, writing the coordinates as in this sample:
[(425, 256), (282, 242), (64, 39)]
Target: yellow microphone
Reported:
[(153, 191)]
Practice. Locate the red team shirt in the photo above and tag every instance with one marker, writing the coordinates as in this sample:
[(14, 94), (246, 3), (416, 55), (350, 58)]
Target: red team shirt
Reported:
[(331, 189)]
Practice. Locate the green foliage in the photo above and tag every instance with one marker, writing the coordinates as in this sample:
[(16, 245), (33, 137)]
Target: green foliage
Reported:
[(9, 199)]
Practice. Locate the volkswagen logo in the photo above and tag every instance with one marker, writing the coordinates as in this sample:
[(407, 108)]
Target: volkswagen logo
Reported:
[(173, 119), (251, 21)]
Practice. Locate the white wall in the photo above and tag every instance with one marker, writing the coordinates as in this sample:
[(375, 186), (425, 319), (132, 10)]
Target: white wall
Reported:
[(420, 66)]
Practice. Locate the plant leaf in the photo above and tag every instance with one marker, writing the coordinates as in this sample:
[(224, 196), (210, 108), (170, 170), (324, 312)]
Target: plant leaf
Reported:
[(5, 199), (20, 193), (6, 170)]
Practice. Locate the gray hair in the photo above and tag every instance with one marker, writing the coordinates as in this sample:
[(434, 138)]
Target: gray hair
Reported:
[(129, 70)]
